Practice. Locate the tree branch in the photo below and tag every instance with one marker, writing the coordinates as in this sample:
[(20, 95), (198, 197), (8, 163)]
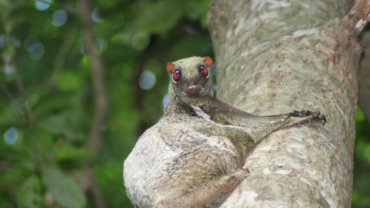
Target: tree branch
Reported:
[(359, 15), (100, 108), (21, 105)]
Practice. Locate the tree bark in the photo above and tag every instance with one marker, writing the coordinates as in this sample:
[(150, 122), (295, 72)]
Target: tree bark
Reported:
[(277, 56)]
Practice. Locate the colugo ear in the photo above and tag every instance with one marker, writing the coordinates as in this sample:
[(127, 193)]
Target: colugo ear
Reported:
[(170, 66), (208, 60)]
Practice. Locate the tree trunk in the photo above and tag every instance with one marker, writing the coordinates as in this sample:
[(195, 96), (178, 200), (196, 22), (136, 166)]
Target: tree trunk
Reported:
[(278, 56)]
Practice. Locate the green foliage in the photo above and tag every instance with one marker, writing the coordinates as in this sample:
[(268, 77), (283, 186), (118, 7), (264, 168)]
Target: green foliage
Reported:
[(30, 193), (66, 192), (47, 95), (361, 179)]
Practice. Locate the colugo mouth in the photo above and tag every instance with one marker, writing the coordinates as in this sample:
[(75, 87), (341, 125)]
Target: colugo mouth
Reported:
[(193, 90)]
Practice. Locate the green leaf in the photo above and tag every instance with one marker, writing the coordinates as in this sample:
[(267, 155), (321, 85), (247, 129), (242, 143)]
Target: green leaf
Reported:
[(30, 195), (58, 125), (359, 115), (69, 80), (63, 188), (196, 9), (4, 6), (157, 17), (69, 152)]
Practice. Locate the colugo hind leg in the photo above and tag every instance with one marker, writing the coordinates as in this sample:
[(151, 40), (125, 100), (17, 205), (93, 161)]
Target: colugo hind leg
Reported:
[(210, 194), (209, 189)]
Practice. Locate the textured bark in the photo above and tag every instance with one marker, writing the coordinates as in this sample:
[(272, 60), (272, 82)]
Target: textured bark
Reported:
[(277, 56)]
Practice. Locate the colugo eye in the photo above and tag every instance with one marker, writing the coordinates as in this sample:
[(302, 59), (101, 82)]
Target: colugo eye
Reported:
[(203, 71), (176, 76)]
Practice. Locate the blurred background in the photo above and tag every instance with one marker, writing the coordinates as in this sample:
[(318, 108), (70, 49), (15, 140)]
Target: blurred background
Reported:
[(68, 67)]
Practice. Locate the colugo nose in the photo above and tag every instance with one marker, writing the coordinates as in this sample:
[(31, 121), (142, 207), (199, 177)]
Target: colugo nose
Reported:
[(193, 90)]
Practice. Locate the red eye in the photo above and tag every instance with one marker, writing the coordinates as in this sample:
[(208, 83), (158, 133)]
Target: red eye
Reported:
[(176, 75), (203, 71)]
